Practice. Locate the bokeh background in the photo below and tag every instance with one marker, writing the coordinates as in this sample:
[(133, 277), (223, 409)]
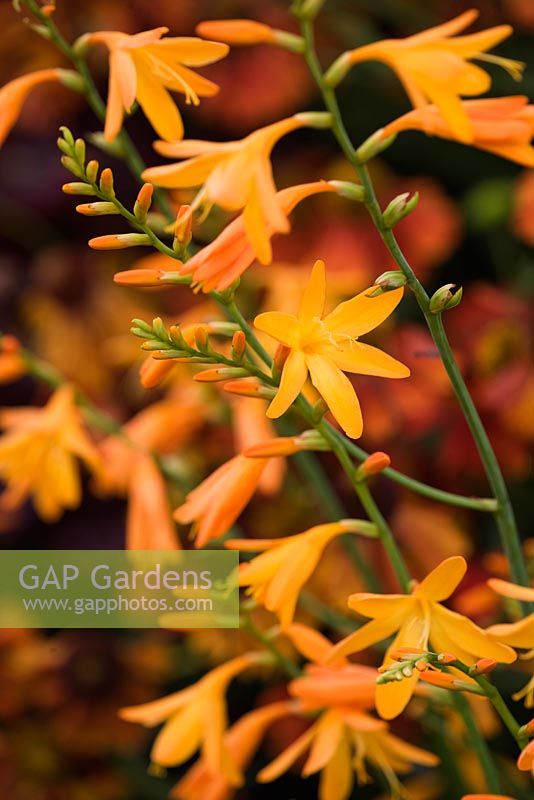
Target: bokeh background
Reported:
[(60, 738)]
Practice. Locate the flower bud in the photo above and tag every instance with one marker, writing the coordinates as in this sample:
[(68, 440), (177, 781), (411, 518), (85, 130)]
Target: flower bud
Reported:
[(337, 71), (91, 170), (143, 202), (236, 31), (201, 337), (119, 241), (183, 229), (280, 358), (315, 119), (446, 658), (443, 680), (373, 146), (48, 9), (71, 80), (81, 45), (148, 278), (106, 183), (9, 344), (353, 191), (373, 465), (72, 166), (250, 388), (393, 279), (444, 299), (98, 209), (288, 445), (153, 372), (483, 666), (399, 208), (239, 345), (220, 374), (77, 188)]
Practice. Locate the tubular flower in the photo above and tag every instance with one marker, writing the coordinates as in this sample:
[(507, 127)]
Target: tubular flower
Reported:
[(14, 93), (146, 67), (38, 455), (419, 618), (500, 125), (276, 577), (434, 66), (216, 503), (233, 175), (327, 346), (525, 762), (194, 718), (241, 740), (221, 263), (342, 741)]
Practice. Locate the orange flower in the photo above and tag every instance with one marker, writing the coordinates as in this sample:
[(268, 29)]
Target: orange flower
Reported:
[(500, 125), (216, 503), (525, 762), (237, 31), (38, 455), (241, 741), (251, 426), (325, 347), (146, 67), (221, 263), (13, 95), (341, 741), (276, 577), (234, 175), (419, 619), (512, 590), (434, 66), (194, 718)]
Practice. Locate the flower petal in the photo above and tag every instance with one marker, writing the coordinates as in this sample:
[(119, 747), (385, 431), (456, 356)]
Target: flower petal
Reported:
[(475, 641), (379, 606), (368, 634), (362, 313), (287, 758), (443, 580), (337, 392), (158, 105), (313, 299), (367, 360), (283, 327), (294, 376)]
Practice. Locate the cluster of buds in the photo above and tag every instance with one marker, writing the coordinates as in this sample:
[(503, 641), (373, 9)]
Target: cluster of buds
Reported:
[(430, 665)]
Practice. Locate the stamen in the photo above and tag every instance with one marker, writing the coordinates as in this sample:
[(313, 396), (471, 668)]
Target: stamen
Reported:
[(514, 68)]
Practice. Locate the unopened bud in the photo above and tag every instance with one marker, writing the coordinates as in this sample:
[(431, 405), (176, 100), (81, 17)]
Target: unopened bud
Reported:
[(183, 229), (79, 150), (201, 337), (399, 208), (444, 299), (48, 9), (337, 71), (143, 202), (373, 146), (315, 119), (527, 730), (280, 357), (81, 45), (106, 183), (153, 372), (406, 653), (288, 445), (71, 80), (77, 188), (98, 209), (239, 345), (441, 679), (236, 31), (250, 388), (373, 465), (91, 171), (148, 278), (220, 374), (392, 279), (119, 241), (446, 658), (72, 165), (421, 665), (483, 666), (353, 191)]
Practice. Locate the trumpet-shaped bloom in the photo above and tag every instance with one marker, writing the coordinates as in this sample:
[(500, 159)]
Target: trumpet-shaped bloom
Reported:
[(216, 503), (14, 93), (341, 742), (39, 452), (325, 347), (221, 263), (194, 718), (500, 125), (241, 740), (276, 577), (434, 66), (146, 67), (419, 619), (234, 175)]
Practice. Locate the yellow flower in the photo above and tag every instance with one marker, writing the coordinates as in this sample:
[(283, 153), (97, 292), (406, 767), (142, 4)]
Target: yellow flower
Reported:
[(327, 346), (500, 125), (434, 66), (276, 577), (38, 455), (194, 718), (234, 175), (341, 741), (14, 93), (419, 619), (145, 67)]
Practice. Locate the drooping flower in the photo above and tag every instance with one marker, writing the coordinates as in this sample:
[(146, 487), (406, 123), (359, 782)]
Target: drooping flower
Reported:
[(194, 718), (276, 577), (215, 504), (234, 175), (420, 620), (221, 263), (14, 93), (241, 740), (434, 66), (39, 452), (340, 742), (145, 67), (326, 347), (500, 125)]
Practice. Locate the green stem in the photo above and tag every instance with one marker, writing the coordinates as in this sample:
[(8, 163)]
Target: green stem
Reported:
[(503, 514), (479, 743)]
